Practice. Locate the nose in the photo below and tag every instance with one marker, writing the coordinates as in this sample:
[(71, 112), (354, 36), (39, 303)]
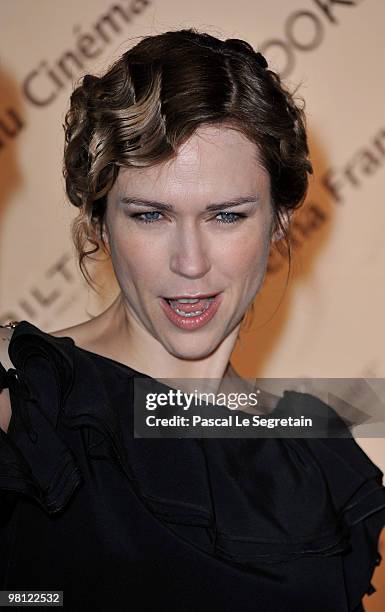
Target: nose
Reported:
[(188, 254)]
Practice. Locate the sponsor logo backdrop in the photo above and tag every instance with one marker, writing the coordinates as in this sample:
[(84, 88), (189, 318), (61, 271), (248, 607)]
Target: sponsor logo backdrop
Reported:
[(330, 320)]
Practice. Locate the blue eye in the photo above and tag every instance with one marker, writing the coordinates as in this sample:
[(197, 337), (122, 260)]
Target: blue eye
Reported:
[(234, 217), (229, 217), (138, 216)]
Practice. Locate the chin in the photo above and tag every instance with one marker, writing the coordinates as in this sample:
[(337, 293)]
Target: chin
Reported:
[(190, 352)]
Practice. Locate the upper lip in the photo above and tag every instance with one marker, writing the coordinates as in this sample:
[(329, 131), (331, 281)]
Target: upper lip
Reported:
[(197, 295)]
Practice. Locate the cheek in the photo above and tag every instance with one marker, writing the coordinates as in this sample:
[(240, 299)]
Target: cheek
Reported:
[(134, 259), (248, 258), (248, 268)]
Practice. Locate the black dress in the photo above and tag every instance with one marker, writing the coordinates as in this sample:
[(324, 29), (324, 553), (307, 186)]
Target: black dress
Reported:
[(128, 524)]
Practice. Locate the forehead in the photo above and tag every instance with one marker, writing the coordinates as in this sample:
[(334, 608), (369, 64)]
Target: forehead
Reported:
[(215, 162)]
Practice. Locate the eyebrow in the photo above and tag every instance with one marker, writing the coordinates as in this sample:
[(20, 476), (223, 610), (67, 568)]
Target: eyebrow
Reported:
[(210, 207)]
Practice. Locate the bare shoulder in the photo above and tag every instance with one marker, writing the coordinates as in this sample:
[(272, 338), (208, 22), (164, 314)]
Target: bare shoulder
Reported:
[(381, 542), (76, 332), (84, 334), (5, 401)]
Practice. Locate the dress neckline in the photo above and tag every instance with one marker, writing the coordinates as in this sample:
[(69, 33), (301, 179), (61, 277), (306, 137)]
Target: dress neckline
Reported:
[(108, 359), (119, 364), (115, 362)]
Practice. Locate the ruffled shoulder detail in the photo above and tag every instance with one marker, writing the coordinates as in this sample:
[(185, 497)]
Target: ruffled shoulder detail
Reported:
[(269, 500), (358, 497), (34, 459), (355, 485)]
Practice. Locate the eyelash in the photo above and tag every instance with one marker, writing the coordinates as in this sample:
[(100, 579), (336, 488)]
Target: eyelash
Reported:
[(239, 216)]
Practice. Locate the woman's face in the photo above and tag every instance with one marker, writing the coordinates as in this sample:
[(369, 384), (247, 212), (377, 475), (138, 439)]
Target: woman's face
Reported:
[(187, 250)]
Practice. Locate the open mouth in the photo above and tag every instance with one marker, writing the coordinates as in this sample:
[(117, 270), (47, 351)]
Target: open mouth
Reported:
[(190, 307), (191, 313)]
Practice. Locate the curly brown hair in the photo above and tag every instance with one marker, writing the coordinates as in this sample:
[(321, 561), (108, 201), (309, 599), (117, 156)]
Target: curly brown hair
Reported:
[(153, 98)]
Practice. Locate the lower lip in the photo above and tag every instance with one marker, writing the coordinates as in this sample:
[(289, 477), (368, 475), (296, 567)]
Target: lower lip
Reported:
[(190, 323)]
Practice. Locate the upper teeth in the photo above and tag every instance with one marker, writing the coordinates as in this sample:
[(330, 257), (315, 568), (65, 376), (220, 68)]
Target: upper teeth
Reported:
[(188, 300), (191, 300)]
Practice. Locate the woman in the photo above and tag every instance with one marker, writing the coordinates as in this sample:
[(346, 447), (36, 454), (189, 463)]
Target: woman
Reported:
[(185, 160)]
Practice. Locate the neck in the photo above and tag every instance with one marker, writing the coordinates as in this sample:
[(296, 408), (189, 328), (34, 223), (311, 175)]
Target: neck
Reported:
[(119, 330)]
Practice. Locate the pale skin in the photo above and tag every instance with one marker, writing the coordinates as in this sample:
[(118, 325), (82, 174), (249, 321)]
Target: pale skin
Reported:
[(184, 251)]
